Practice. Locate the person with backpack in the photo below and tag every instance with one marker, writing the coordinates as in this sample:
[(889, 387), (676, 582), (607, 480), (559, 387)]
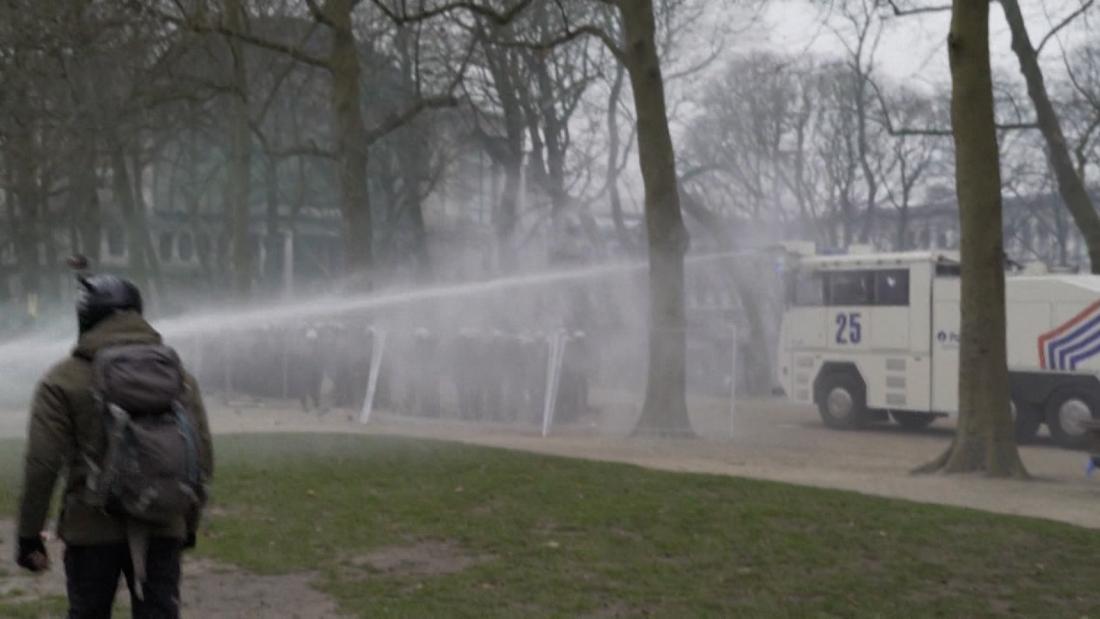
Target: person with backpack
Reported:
[(125, 426)]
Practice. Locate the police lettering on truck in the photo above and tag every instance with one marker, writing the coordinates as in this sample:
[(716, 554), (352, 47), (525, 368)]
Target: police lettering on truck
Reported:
[(870, 337)]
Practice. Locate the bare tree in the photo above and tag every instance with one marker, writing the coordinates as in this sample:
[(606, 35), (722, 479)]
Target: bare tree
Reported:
[(1081, 108), (350, 132), (861, 45), (665, 407), (912, 159), (1071, 185), (984, 439), (505, 75), (240, 160)]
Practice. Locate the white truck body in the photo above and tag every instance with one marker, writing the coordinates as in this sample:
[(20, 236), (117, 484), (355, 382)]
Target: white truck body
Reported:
[(891, 322)]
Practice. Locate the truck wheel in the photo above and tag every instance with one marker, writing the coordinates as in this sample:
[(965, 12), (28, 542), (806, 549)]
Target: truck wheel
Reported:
[(1065, 410), (1026, 420), (842, 401), (911, 420)]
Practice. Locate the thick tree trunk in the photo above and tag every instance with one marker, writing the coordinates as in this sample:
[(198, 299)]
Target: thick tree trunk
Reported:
[(505, 72), (414, 202), (152, 260), (1070, 184), (135, 232), (414, 155), (665, 407), (204, 251), (613, 148), (901, 242), (351, 139), (415, 177), (85, 205), (985, 438), (507, 216), (27, 234), (8, 237), (868, 170), (91, 226), (273, 263), (240, 158), (552, 133), (50, 290)]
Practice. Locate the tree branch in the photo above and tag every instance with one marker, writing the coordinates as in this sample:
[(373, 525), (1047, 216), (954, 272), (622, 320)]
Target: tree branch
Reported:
[(303, 150), (1081, 89), (319, 14), (200, 27), (900, 12), (1081, 150), (697, 67), (1062, 24), (500, 18), (566, 37), (396, 121), (908, 131)]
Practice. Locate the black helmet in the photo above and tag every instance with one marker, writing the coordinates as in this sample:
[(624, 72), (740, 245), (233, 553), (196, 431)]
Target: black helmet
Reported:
[(99, 296)]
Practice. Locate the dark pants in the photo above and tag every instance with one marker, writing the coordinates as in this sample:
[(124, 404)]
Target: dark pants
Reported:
[(92, 572)]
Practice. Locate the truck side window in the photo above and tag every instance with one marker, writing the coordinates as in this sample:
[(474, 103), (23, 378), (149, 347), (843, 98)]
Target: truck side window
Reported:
[(850, 288), (892, 287), (948, 270), (808, 290)]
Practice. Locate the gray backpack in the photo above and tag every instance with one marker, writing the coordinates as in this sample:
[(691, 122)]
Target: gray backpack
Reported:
[(150, 470)]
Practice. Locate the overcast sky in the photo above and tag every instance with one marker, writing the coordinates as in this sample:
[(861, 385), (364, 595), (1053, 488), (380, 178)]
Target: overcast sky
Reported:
[(913, 48)]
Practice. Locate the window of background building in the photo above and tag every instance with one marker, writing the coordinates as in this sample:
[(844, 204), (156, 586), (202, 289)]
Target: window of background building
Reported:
[(952, 239), (166, 243), (202, 244), (254, 242), (186, 247), (116, 242)]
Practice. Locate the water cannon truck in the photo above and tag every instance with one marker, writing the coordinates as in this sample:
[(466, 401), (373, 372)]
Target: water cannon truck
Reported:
[(869, 337)]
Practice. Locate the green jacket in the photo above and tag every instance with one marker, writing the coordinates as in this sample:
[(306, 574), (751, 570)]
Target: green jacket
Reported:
[(67, 430)]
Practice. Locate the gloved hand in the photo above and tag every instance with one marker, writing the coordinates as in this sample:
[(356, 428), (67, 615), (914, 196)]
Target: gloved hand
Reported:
[(192, 523), (32, 554)]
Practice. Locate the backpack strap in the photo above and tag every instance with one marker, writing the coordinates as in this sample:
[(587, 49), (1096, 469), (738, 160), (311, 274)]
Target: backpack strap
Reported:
[(101, 479), (137, 539), (192, 444)]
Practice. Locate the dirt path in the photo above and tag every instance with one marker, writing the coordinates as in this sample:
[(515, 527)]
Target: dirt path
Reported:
[(209, 590), (770, 440)]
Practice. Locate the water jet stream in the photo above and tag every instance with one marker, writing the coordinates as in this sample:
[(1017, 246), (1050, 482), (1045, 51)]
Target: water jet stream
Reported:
[(36, 351)]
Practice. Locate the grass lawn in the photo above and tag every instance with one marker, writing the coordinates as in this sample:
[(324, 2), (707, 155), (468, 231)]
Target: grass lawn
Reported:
[(404, 528)]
